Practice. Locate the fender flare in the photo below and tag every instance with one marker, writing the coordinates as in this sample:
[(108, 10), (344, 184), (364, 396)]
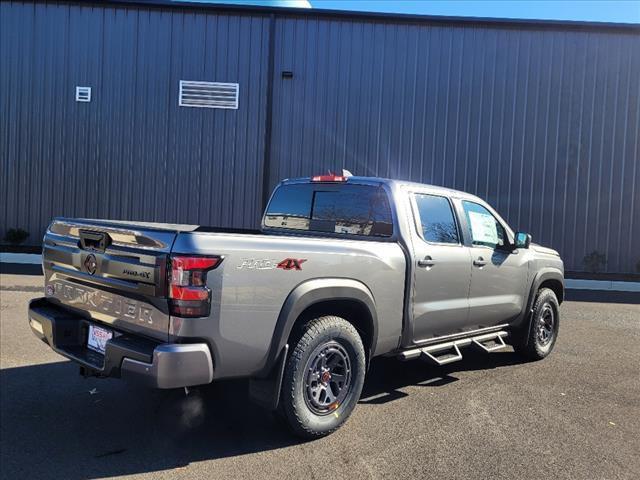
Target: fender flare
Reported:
[(309, 293), (542, 276)]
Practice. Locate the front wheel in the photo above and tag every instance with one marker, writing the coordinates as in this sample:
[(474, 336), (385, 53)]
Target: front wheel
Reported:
[(536, 342), (323, 377)]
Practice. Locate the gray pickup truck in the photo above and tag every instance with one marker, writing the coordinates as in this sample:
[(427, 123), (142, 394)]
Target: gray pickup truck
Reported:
[(344, 269)]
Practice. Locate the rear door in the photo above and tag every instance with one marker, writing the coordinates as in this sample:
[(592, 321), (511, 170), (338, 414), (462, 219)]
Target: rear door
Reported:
[(113, 273), (442, 270)]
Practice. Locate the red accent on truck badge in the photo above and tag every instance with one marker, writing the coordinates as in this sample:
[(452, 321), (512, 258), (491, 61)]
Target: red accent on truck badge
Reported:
[(291, 263)]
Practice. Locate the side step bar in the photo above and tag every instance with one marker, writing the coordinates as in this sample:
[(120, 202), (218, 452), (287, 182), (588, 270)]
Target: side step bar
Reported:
[(443, 353), (448, 352), (490, 342)]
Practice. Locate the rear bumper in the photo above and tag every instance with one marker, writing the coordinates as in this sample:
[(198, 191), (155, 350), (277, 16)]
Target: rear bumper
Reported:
[(158, 365)]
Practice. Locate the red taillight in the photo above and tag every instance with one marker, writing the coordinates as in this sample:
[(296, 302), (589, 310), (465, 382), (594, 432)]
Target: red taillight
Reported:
[(189, 295), (328, 178), (195, 263)]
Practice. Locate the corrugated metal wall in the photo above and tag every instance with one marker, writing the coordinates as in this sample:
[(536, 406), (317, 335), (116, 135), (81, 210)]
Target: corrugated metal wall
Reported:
[(542, 122), (131, 153)]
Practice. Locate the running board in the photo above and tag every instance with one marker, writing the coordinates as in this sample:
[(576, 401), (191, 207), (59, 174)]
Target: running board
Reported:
[(449, 352), (490, 342), (442, 354)]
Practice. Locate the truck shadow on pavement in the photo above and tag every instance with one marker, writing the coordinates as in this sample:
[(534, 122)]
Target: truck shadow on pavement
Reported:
[(387, 376), (56, 424)]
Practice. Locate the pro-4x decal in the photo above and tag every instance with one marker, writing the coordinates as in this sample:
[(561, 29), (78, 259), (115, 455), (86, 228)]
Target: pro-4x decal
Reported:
[(291, 263)]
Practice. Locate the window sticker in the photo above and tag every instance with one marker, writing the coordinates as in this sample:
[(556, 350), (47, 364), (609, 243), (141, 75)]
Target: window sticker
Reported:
[(483, 228)]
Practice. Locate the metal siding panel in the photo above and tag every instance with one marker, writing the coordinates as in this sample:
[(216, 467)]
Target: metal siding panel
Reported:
[(131, 153), (541, 123), (630, 227)]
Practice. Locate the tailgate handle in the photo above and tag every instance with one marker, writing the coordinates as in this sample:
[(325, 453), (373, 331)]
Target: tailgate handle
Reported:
[(94, 240)]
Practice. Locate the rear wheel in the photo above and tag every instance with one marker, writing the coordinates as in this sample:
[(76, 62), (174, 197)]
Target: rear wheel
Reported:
[(537, 341), (323, 377)]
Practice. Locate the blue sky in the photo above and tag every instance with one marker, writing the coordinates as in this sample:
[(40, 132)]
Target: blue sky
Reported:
[(618, 11), (595, 10)]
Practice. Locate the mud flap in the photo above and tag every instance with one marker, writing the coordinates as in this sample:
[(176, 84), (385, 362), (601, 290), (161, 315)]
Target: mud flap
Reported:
[(266, 391)]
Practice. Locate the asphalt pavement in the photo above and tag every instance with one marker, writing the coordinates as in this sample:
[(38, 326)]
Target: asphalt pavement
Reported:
[(574, 415)]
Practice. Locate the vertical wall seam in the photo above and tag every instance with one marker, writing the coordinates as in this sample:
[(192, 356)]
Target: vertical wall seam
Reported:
[(266, 165)]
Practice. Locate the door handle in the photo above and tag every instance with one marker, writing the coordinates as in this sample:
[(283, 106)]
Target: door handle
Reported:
[(479, 262), (426, 262)]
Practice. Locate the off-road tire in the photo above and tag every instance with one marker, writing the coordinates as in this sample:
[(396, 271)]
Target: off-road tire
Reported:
[(295, 406), (530, 341)]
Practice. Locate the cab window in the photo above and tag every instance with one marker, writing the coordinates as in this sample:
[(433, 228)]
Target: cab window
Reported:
[(347, 209), (485, 229), (436, 219)]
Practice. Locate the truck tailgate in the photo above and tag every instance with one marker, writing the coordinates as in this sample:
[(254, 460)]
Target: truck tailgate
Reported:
[(110, 272)]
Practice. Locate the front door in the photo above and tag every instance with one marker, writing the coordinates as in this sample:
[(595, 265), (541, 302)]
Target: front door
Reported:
[(442, 270), (498, 273)]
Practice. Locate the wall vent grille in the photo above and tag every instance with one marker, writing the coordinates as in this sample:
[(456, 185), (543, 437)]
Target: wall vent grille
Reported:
[(83, 94), (208, 94)]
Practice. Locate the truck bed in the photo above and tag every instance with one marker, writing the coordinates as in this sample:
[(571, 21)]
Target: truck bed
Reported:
[(258, 272)]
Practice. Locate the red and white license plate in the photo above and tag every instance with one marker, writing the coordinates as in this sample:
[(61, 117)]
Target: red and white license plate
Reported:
[(98, 337)]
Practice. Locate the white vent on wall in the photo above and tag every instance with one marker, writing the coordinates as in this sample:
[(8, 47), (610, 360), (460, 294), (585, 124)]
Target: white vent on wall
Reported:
[(208, 94), (83, 94)]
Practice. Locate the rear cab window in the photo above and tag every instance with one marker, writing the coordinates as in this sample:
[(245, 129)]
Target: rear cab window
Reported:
[(347, 209)]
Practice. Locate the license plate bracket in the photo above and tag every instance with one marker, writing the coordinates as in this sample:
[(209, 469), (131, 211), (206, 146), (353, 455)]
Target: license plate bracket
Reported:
[(97, 338)]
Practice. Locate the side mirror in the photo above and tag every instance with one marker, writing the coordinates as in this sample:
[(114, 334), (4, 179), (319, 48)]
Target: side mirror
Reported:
[(522, 240)]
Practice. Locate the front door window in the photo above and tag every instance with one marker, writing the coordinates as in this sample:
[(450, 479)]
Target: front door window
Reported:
[(486, 231)]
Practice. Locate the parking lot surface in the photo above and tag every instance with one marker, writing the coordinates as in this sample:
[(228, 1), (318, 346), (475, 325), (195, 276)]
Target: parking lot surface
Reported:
[(574, 415)]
